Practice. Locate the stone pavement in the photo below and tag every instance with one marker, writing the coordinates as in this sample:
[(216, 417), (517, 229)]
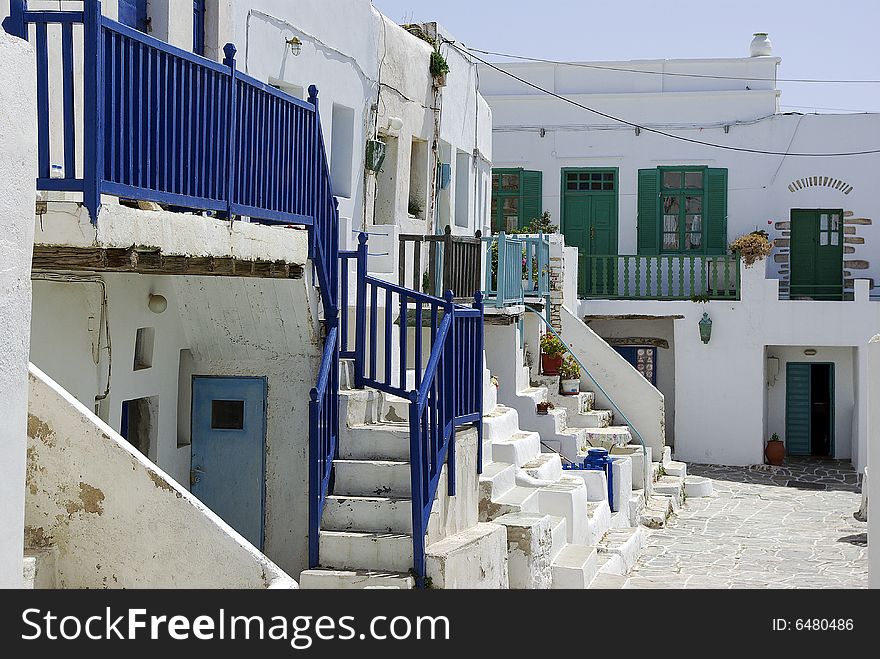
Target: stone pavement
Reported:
[(764, 527)]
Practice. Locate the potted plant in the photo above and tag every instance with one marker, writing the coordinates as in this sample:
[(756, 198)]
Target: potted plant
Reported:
[(569, 376), (752, 247), (775, 450), (552, 350), (544, 406)]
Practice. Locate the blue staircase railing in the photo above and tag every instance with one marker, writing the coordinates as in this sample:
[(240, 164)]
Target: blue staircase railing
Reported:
[(440, 373)]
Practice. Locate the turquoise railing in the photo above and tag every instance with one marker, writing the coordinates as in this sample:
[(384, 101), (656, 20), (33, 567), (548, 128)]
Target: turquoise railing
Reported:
[(659, 277), (517, 267)]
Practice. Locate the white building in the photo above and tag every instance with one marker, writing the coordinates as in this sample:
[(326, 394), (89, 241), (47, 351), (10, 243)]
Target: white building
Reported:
[(791, 334)]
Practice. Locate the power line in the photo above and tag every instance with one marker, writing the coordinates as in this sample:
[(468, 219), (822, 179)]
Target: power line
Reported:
[(603, 67), (814, 107), (680, 138)]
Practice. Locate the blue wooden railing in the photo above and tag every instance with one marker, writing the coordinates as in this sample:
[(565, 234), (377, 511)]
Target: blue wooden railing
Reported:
[(444, 385), (517, 267)]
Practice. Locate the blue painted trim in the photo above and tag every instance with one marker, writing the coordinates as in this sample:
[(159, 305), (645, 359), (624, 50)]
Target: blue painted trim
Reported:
[(60, 184), (55, 17)]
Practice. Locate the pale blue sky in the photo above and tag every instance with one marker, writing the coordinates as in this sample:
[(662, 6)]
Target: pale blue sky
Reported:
[(815, 38)]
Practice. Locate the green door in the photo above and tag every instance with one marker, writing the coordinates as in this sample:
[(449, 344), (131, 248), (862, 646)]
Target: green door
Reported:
[(797, 409), (817, 254), (589, 222)]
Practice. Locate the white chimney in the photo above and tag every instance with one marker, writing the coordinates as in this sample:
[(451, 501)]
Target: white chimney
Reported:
[(761, 46)]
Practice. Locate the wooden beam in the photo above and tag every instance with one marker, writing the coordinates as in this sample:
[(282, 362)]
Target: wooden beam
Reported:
[(636, 341), (632, 316), (153, 262)]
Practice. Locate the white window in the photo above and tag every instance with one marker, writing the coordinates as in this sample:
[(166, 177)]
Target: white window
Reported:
[(341, 150)]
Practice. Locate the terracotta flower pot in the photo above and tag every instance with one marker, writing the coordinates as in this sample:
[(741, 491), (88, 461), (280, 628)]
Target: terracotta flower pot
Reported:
[(775, 452), (550, 364)]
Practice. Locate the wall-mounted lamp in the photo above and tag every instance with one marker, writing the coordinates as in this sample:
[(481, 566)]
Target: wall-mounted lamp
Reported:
[(157, 303), (705, 328), (295, 45), (809, 352)]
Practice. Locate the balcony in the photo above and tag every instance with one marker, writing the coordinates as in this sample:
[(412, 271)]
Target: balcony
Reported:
[(660, 277)]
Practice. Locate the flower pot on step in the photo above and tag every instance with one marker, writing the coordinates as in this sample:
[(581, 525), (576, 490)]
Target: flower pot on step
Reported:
[(550, 364), (775, 452), (569, 387)]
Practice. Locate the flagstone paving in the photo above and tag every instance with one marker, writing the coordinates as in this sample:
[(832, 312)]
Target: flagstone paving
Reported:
[(763, 527)]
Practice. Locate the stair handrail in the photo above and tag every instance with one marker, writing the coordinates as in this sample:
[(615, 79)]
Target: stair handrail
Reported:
[(617, 409)]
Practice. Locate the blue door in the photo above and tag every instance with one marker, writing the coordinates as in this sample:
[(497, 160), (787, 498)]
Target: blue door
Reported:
[(228, 450), (643, 359), (133, 13), (199, 27)]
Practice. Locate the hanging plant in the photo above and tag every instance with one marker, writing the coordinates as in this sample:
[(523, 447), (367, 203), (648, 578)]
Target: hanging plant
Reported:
[(752, 247), (439, 67)]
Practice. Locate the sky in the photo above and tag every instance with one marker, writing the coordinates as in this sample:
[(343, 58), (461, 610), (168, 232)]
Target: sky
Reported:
[(824, 39)]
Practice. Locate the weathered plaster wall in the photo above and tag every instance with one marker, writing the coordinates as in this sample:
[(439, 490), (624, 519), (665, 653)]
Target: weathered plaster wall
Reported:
[(17, 193), (113, 519)]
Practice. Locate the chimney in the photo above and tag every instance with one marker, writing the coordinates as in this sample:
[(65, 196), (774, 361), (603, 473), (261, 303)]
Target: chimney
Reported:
[(761, 46)]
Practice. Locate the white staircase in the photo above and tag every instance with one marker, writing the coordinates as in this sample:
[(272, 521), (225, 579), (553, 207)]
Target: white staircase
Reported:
[(365, 539)]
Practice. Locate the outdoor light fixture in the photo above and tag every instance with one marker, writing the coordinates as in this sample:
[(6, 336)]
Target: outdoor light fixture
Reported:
[(157, 303), (295, 45), (705, 328), (810, 352)]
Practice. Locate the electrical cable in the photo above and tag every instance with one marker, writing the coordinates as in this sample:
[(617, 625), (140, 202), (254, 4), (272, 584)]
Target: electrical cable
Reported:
[(680, 138)]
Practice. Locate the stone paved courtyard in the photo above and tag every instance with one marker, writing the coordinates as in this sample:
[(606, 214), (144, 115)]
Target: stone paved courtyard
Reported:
[(764, 527)]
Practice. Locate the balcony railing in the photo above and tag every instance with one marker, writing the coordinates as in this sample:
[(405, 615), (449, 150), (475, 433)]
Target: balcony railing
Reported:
[(517, 267), (453, 264), (662, 277)]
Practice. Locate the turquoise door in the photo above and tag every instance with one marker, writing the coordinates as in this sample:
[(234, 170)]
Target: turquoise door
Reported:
[(228, 450), (797, 409)]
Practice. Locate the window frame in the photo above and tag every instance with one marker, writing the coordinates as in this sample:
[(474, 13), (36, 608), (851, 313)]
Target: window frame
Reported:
[(682, 192), (499, 195)]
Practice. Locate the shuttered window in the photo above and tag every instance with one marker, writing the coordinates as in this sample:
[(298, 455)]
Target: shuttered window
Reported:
[(516, 198), (682, 210)]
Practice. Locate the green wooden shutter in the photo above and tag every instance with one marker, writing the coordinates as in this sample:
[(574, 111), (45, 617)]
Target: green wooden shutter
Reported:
[(715, 212), (648, 228), (531, 204), (797, 409)]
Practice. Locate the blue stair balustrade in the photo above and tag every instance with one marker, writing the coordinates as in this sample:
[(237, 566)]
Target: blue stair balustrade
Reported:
[(517, 267)]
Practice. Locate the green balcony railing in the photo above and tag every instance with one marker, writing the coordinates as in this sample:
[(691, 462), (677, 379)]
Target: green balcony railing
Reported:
[(659, 277)]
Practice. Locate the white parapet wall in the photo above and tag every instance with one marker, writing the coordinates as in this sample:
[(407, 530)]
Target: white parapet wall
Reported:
[(627, 390), (113, 519), (873, 458), (17, 195)]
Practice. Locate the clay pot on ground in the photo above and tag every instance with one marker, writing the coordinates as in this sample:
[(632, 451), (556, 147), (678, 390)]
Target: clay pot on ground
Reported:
[(775, 452), (550, 364)]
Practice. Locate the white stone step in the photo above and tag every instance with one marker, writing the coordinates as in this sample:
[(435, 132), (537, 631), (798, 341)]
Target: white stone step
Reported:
[(537, 394), (559, 534), (518, 448), (546, 466), (358, 407), (656, 512), (697, 486), (567, 498), (356, 550), (666, 455), (372, 478), (500, 423), (529, 549), (473, 558), (516, 500), (496, 479), (598, 521), (636, 506), (384, 441), (674, 468), (394, 409), (353, 580), (608, 581), (592, 419), (608, 437), (626, 544), (377, 514), (672, 487), (575, 567)]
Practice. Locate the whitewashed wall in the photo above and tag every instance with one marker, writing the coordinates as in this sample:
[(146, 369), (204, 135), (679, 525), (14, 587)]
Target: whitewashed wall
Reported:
[(17, 195), (112, 519), (720, 391)]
